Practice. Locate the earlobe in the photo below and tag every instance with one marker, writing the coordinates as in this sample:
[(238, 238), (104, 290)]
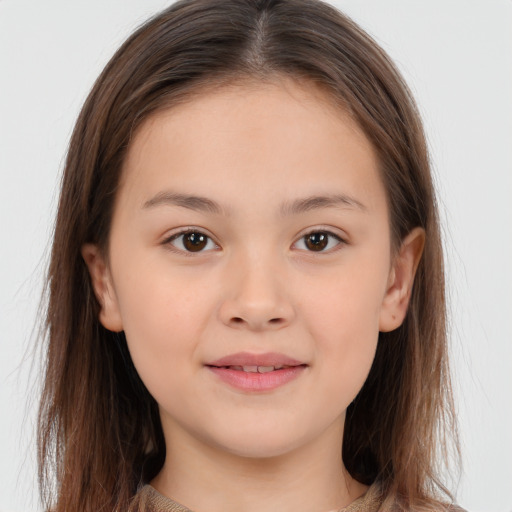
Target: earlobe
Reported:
[(401, 279), (101, 279)]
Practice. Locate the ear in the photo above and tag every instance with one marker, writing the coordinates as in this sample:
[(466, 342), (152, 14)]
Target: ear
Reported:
[(401, 279), (101, 278)]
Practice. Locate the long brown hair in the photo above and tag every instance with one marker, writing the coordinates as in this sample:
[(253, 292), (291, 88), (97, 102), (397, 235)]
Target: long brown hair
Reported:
[(100, 435)]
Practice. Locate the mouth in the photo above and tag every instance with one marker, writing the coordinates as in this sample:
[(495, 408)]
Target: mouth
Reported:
[(255, 368), (256, 372)]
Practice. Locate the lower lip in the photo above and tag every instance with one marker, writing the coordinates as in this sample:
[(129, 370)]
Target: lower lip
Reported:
[(253, 381)]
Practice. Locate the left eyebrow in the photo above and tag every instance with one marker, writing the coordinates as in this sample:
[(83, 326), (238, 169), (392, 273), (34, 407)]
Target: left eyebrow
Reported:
[(316, 202), (191, 202)]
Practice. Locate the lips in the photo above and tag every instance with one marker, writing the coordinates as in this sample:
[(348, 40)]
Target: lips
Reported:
[(255, 368), (256, 372), (246, 359)]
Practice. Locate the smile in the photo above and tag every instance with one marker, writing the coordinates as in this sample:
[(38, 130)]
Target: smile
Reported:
[(255, 369), (256, 372)]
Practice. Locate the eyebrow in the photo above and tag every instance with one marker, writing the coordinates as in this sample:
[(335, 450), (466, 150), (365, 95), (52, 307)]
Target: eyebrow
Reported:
[(295, 207), (317, 202), (191, 202)]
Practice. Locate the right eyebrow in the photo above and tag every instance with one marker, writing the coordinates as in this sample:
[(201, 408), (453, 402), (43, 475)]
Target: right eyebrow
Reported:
[(306, 204), (198, 203)]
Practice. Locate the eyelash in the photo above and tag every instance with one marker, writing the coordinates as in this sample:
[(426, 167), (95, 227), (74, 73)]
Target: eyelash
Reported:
[(328, 234), (190, 231), (209, 240)]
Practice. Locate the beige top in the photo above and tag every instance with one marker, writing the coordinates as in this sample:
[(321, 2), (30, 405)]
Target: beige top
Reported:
[(148, 499)]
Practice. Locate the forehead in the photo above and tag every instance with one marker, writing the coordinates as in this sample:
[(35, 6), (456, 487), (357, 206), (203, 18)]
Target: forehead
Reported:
[(250, 136)]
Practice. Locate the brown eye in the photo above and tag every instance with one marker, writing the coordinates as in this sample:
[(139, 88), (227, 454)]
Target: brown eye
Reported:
[(316, 241), (191, 241), (194, 242)]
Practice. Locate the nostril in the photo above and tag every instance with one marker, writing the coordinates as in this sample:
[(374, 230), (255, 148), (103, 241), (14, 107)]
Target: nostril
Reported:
[(272, 321)]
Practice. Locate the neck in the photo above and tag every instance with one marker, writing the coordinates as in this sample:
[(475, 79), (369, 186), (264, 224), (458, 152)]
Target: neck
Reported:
[(205, 478)]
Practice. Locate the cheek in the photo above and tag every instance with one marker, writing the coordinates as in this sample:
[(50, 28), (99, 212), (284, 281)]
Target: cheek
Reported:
[(164, 317), (342, 315)]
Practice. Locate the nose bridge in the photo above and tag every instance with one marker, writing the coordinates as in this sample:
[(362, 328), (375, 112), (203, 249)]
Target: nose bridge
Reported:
[(256, 296)]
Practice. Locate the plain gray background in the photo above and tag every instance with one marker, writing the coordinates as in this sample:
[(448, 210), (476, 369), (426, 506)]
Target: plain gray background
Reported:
[(456, 56)]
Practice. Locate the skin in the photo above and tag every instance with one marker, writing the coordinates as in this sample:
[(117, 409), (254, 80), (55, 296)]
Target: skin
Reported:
[(255, 287)]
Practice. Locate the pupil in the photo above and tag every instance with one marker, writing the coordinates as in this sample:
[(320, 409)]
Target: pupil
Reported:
[(317, 241), (194, 242)]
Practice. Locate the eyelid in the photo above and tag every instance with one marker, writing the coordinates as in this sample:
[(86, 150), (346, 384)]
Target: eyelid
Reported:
[(330, 231), (177, 232)]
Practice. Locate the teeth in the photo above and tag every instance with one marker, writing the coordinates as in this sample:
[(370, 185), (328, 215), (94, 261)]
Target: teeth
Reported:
[(257, 369), (265, 369)]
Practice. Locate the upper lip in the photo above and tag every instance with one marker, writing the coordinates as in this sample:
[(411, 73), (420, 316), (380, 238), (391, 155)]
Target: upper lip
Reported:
[(248, 359)]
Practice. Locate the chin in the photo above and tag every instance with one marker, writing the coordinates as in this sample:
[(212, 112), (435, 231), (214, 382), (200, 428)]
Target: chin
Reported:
[(260, 451), (260, 443)]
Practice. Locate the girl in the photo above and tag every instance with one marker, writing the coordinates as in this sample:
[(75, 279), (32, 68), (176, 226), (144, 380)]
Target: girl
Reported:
[(246, 304)]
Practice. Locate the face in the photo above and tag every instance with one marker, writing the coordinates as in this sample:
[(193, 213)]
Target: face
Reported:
[(250, 266)]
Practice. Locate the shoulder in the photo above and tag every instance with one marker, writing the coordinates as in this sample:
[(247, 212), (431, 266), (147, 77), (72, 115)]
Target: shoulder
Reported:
[(370, 501), (375, 500), (148, 499)]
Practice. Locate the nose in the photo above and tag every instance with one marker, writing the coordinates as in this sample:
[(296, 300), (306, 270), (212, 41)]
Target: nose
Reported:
[(256, 297)]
